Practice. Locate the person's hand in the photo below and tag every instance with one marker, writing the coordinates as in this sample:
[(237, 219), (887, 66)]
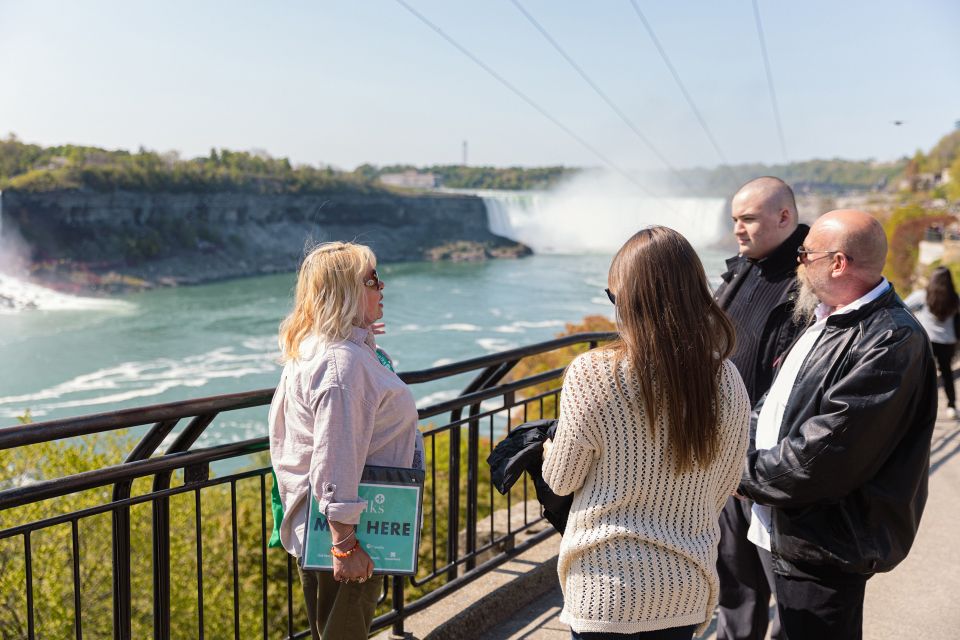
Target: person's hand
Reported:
[(378, 328), (357, 567), (547, 445)]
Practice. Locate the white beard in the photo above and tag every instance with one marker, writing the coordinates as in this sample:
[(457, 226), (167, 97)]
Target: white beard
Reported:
[(806, 302)]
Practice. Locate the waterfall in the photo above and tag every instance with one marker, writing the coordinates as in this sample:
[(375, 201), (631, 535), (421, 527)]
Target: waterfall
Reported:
[(582, 222)]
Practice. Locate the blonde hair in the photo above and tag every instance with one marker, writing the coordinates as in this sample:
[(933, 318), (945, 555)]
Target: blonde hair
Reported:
[(329, 297)]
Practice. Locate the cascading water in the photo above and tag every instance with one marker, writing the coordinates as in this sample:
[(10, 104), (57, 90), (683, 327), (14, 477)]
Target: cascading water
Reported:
[(581, 222), (17, 294)]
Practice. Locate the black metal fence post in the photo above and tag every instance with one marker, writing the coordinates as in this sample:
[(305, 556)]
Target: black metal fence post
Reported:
[(122, 628)]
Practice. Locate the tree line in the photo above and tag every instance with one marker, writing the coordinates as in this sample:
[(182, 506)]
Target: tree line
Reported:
[(31, 167)]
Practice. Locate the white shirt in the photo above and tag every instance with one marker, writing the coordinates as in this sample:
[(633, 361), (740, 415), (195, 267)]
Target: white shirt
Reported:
[(335, 410), (771, 415), (939, 331)]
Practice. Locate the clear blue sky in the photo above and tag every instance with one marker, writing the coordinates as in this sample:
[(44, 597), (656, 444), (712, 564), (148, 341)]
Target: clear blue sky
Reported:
[(355, 81)]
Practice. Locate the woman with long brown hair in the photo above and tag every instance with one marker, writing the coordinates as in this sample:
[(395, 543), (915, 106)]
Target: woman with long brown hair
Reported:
[(650, 441), (936, 309)]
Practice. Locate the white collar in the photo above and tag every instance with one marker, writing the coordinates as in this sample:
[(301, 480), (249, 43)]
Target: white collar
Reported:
[(822, 310)]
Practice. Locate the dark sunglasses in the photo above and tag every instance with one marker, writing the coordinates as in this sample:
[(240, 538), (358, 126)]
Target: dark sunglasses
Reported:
[(374, 282), (612, 296)]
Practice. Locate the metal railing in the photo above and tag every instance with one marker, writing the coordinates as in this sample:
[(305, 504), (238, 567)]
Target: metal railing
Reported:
[(157, 550)]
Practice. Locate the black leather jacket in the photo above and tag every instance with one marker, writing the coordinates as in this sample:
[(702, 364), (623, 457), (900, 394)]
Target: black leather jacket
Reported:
[(848, 480)]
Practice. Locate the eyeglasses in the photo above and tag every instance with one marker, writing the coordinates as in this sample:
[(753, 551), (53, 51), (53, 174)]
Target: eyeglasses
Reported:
[(803, 252), (374, 282), (610, 294)]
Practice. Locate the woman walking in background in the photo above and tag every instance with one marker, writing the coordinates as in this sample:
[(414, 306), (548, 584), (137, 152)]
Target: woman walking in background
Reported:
[(651, 439), (336, 409), (936, 309)]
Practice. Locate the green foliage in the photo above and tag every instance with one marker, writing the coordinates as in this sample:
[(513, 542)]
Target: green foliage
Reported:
[(470, 177), (27, 167), (53, 552), (945, 153), (540, 363), (905, 228)]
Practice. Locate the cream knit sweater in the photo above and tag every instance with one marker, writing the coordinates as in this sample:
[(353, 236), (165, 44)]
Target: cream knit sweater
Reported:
[(640, 549)]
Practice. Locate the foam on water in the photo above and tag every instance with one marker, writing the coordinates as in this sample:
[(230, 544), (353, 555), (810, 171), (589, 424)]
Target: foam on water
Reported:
[(459, 326), (496, 344), (140, 379), (17, 295)]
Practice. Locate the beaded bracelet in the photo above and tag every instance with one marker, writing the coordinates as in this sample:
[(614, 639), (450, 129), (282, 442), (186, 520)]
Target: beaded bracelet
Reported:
[(344, 554)]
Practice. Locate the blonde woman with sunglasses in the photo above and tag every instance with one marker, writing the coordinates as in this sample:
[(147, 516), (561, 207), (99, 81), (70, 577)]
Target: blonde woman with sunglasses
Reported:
[(336, 409)]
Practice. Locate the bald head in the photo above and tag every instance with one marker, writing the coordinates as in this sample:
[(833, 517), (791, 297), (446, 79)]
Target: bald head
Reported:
[(846, 250), (860, 236), (764, 216), (773, 191)]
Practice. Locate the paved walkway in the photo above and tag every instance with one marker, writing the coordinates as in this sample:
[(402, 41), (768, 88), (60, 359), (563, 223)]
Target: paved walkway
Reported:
[(919, 600)]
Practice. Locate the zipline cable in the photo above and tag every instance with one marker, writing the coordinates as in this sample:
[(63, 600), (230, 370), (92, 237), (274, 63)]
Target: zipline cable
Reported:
[(530, 102), (603, 96), (773, 94), (683, 88)]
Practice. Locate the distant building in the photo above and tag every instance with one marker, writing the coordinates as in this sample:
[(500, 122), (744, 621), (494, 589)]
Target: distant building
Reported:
[(920, 182), (410, 179)]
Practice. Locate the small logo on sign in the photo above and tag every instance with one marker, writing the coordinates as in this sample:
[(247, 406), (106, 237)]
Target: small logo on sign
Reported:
[(380, 498)]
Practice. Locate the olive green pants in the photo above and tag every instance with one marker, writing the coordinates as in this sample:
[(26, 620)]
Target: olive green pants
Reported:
[(339, 610)]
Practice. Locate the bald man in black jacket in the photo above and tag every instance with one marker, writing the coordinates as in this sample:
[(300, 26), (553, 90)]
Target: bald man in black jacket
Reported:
[(758, 292)]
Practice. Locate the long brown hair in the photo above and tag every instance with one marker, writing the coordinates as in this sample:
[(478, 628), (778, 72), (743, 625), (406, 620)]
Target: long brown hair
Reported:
[(673, 337), (942, 300)]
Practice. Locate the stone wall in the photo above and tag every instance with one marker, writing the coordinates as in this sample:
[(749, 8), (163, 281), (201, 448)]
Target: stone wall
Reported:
[(186, 237)]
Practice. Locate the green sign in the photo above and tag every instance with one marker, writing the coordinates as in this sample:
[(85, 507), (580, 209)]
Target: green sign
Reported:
[(389, 528)]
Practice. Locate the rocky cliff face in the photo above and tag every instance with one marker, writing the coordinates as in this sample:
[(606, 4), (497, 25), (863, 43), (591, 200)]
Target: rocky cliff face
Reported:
[(182, 237)]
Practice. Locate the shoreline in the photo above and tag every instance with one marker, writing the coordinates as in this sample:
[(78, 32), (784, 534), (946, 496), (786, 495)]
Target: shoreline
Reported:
[(104, 281)]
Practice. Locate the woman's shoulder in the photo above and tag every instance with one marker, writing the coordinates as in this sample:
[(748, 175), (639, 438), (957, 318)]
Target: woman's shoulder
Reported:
[(731, 385), (332, 361), (595, 360)]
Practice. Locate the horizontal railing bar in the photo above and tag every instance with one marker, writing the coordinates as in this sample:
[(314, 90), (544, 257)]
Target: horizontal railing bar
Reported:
[(490, 412), (128, 502), (427, 375), (46, 489), (485, 394), (36, 432)]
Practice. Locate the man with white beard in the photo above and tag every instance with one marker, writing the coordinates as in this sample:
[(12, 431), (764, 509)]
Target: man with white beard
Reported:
[(840, 445)]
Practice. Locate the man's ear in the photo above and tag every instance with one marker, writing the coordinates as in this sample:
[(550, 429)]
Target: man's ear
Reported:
[(784, 217), (840, 264)]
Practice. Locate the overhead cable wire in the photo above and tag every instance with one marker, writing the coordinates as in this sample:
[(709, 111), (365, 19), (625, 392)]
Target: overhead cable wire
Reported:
[(773, 94), (683, 88), (530, 101), (593, 85)]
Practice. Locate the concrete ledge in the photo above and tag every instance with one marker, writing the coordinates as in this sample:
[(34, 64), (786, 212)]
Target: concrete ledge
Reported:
[(492, 598)]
